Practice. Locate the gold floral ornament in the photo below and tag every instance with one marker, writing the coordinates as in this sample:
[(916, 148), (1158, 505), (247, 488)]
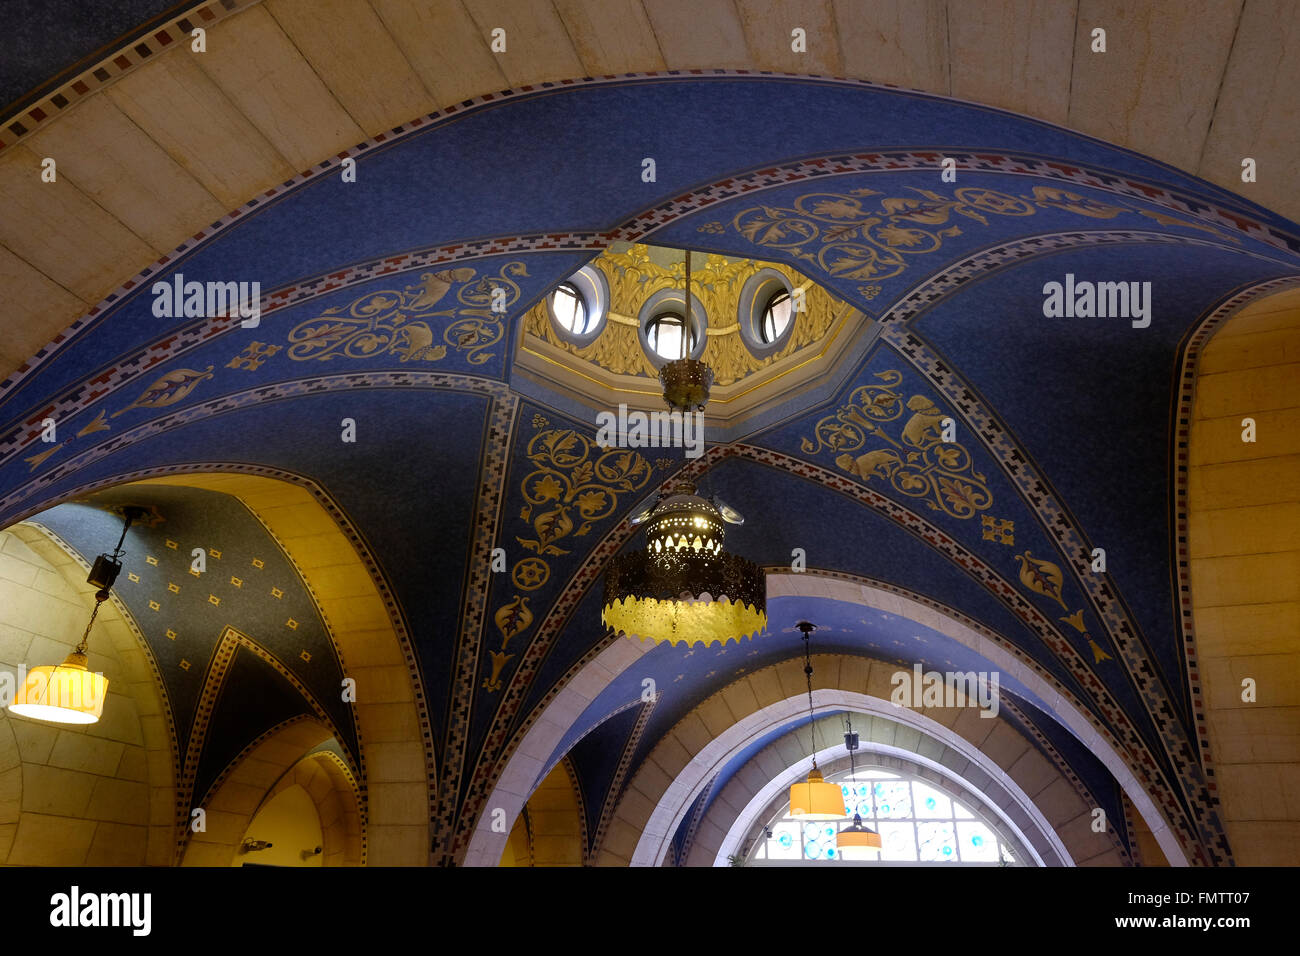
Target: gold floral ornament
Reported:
[(567, 491), (852, 239), (1075, 621), (513, 618), (917, 463), (1041, 577), (392, 322)]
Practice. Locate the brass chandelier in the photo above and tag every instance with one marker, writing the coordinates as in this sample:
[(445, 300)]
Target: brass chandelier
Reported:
[(683, 587)]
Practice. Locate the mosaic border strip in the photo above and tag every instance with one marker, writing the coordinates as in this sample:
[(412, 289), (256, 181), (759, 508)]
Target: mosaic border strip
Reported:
[(460, 705), (44, 108), (358, 794), (613, 796), (1188, 369), (1130, 820), (1065, 770), (571, 774), (244, 399), (682, 855)]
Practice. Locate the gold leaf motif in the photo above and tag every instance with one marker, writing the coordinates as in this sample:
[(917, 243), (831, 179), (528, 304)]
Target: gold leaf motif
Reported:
[(1041, 576), (98, 425), (917, 463), (493, 683), (513, 618), (35, 461), (1075, 621), (169, 389)]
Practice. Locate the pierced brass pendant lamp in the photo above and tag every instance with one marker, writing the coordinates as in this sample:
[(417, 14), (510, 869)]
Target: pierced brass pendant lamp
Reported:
[(814, 799), (683, 587), (69, 693)]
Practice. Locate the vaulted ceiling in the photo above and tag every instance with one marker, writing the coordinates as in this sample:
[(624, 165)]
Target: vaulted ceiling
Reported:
[(376, 310)]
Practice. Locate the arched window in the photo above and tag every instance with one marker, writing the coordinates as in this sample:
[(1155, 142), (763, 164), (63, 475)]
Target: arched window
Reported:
[(579, 305), (570, 309), (917, 822), (776, 317), (664, 335)]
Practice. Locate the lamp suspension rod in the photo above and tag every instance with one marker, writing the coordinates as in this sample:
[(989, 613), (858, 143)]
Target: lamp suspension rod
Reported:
[(129, 514), (848, 722), (686, 325)]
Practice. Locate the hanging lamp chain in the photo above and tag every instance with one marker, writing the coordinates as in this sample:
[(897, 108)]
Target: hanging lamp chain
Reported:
[(130, 514), (807, 671)]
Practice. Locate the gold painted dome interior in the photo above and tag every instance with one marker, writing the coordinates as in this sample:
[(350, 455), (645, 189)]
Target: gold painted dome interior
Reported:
[(766, 329)]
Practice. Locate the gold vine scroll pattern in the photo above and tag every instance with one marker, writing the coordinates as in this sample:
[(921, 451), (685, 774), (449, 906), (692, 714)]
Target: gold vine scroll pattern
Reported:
[(917, 463), (391, 322), (853, 238), (568, 490)]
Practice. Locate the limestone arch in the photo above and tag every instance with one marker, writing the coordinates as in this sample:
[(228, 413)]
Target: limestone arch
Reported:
[(544, 735), (531, 759), (552, 823), (1001, 797), (333, 789), (50, 829), (368, 630), (1240, 569), (244, 786), (687, 778)]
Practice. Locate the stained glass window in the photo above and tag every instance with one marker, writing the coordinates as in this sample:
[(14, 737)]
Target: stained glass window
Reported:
[(917, 823)]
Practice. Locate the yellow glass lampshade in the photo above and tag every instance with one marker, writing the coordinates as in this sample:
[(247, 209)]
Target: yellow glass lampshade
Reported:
[(66, 694), (815, 799), (858, 842)]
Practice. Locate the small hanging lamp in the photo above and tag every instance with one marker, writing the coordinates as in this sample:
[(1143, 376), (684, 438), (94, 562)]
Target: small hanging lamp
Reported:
[(686, 380), (68, 693), (856, 842), (683, 587), (814, 799)]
